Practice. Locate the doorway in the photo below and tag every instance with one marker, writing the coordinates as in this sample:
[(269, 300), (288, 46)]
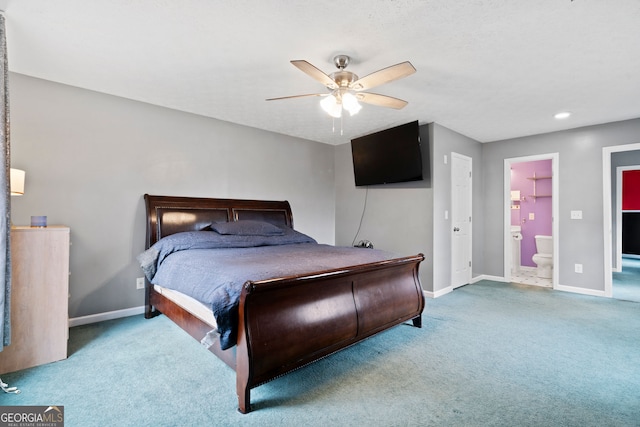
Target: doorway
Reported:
[(631, 211), (530, 210), (610, 212)]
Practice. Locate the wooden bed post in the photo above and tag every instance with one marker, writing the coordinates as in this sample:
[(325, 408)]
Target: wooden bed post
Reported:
[(417, 321), (243, 365), (244, 393)]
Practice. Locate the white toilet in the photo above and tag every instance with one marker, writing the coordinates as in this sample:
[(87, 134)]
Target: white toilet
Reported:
[(544, 256)]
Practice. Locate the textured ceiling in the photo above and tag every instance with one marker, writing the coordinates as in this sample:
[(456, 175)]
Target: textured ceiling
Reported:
[(489, 69)]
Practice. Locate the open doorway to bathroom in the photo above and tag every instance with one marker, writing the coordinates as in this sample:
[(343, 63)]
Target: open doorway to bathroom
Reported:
[(531, 234)]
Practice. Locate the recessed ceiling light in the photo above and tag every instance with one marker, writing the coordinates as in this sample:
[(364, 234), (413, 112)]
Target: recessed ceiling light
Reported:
[(562, 115)]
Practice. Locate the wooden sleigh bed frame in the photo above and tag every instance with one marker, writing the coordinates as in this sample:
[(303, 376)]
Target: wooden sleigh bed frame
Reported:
[(287, 322)]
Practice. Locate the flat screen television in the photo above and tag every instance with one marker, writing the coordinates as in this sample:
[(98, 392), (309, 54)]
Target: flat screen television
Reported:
[(389, 156)]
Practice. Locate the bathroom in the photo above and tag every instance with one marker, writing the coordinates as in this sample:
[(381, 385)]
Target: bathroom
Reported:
[(531, 216)]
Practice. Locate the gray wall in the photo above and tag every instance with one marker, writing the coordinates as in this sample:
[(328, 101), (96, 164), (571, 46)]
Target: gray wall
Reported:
[(409, 218), (580, 188), (397, 217), (90, 157)]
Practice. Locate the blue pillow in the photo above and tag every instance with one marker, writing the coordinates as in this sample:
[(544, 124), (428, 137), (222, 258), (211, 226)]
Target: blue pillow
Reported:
[(247, 228)]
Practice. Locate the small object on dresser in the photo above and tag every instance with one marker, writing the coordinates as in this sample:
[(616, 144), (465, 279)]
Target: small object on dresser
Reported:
[(39, 221)]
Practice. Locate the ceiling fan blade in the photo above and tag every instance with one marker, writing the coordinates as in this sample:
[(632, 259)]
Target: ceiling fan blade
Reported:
[(296, 96), (383, 76), (381, 100), (315, 73)]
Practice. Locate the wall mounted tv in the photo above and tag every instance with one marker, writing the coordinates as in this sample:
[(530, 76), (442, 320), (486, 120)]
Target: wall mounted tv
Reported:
[(389, 156)]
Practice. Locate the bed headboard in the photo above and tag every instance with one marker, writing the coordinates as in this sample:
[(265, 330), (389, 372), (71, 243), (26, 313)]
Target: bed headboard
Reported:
[(168, 215)]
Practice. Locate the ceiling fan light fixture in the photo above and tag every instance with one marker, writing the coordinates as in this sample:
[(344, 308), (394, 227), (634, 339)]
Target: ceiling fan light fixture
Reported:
[(346, 86), (350, 103), (331, 106)]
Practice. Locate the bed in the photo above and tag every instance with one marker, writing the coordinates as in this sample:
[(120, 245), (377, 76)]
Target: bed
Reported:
[(287, 321)]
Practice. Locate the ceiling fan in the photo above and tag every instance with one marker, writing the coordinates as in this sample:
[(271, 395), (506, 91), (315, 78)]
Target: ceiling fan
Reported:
[(347, 88)]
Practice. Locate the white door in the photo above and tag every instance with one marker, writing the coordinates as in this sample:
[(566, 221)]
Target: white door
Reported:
[(461, 181)]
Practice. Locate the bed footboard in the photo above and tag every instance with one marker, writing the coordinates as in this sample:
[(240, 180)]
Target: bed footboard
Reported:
[(289, 322)]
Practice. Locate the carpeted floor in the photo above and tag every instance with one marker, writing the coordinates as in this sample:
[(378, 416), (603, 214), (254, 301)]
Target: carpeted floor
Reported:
[(489, 354), (626, 283)]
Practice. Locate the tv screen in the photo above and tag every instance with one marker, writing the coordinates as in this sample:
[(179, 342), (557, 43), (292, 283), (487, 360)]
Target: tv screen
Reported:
[(389, 156)]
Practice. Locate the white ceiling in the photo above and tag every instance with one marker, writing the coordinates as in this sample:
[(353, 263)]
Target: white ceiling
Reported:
[(489, 69)]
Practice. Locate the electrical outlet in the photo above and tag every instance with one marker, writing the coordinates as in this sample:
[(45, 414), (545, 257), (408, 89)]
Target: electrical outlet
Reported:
[(140, 283), (578, 268)]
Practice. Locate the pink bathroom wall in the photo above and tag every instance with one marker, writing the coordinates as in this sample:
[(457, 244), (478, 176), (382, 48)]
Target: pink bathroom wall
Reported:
[(539, 207)]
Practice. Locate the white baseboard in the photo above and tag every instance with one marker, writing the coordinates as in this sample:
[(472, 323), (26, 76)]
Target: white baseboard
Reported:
[(448, 289), (438, 293), (576, 290), (488, 277), (101, 317)]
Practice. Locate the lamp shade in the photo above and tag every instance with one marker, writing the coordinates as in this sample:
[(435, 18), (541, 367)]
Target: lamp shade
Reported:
[(331, 105), (350, 103), (17, 182)]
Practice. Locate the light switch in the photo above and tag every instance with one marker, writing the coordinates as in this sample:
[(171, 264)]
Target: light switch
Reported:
[(532, 216), (576, 214)]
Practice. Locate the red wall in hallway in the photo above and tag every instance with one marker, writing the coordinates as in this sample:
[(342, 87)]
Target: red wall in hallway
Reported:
[(631, 190)]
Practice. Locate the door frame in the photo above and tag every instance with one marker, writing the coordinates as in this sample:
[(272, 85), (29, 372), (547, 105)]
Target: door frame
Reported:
[(555, 206), (607, 214)]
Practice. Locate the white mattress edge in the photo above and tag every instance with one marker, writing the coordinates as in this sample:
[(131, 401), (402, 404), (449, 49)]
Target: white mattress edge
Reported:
[(190, 304)]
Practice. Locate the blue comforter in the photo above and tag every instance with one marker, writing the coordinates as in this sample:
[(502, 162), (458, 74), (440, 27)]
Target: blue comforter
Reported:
[(212, 268)]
